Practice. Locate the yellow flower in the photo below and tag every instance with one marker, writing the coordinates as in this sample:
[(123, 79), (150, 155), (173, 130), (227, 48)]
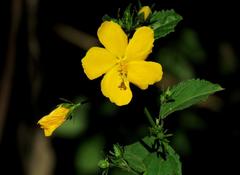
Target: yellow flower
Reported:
[(53, 120), (146, 11), (122, 62)]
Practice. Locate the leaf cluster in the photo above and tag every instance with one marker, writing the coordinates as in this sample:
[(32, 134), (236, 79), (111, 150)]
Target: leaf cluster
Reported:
[(153, 155), (162, 22)]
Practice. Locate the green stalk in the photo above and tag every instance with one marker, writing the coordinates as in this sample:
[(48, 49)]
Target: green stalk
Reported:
[(149, 117)]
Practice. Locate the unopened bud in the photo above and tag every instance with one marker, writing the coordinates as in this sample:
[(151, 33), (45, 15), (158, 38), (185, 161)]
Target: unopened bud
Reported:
[(117, 150), (103, 164), (146, 11)]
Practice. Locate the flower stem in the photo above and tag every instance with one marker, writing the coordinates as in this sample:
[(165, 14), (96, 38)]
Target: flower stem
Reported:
[(149, 117)]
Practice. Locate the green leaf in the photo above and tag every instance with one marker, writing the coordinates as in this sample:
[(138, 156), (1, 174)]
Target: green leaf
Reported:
[(127, 18), (117, 171), (142, 158), (163, 22), (134, 154), (186, 94), (108, 18), (173, 160), (159, 166)]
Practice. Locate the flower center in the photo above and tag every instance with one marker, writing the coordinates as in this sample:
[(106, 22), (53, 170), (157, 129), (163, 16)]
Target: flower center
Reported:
[(122, 73)]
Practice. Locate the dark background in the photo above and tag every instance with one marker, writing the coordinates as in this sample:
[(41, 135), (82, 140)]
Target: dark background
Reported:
[(46, 66)]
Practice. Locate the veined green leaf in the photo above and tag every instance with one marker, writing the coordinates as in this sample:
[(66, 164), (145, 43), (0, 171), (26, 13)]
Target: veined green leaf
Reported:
[(142, 158), (186, 94), (135, 153), (156, 165), (163, 22)]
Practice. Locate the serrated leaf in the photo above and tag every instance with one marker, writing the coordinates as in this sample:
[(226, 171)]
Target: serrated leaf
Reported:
[(186, 94), (163, 22), (173, 160), (159, 166), (127, 18), (143, 159), (135, 153)]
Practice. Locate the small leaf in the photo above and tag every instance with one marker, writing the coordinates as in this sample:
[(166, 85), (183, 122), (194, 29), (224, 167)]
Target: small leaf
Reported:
[(127, 18), (117, 150), (188, 93), (108, 18), (163, 22)]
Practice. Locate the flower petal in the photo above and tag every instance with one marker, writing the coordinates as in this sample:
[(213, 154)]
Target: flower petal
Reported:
[(113, 38), (116, 88), (141, 44), (97, 62), (144, 73), (53, 120)]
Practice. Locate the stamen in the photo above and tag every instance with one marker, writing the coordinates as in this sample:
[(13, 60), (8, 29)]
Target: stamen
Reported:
[(122, 86), (123, 74)]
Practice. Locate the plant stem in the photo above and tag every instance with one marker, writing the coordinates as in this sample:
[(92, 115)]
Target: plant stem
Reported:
[(149, 117)]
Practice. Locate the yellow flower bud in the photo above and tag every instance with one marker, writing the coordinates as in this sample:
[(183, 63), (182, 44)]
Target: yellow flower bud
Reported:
[(146, 11), (53, 120)]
